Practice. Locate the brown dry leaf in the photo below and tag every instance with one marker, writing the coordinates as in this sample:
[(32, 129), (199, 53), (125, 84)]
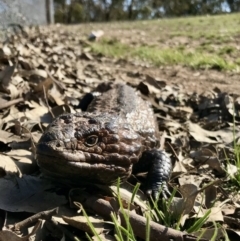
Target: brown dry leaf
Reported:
[(179, 167), (55, 95), (6, 50), (210, 196), (215, 215), (11, 236), (221, 136), (7, 137), (13, 91), (169, 92), (187, 178), (27, 125), (38, 114), (86, 56), (201, 135), (219, 233), (229, 104), (81, 223), (24, 160), (183, 206), (152, 85), (232, 169), (104, 237), (36, 136), (24, 64), (65, 210), (126, 192), (157, 83), (58, 110), (28, 194), (10, 116), (8, 165), (5, 78), (207, 156), (41, 85), (35, 73)]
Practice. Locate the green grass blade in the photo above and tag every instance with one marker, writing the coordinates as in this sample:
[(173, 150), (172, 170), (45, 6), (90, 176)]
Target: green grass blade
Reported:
[(199, 223)]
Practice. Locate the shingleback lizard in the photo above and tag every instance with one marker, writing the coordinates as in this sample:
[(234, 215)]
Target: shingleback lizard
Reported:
[(116, 136)]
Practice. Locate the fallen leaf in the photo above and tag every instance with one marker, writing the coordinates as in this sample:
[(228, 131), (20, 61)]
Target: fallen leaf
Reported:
[(28, 194)]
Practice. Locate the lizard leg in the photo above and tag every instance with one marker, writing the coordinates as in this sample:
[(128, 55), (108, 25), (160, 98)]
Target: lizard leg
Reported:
[(159, 167)]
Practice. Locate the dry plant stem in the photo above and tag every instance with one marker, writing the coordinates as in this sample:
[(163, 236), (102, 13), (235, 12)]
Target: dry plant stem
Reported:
[(46, 215), (33, 146), (210, 184), (138, 223), (59, 84), (10, 103), (157, 231), (46, 100), (173, 151)]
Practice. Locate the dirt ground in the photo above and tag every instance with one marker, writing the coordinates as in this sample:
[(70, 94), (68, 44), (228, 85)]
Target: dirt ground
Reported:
[(193, 80)]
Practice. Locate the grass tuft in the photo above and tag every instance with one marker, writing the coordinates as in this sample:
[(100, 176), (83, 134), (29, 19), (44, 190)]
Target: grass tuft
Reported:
[(197, 59)]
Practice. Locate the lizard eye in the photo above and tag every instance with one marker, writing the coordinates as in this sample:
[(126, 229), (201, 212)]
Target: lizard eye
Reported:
[(91, 140)]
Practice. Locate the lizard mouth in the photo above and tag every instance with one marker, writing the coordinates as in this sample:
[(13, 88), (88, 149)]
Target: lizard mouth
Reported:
[(50, 151), (73, 166), (47, 152)]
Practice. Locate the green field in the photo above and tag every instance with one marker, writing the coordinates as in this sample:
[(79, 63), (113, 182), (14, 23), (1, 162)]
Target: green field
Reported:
[(199, 42)]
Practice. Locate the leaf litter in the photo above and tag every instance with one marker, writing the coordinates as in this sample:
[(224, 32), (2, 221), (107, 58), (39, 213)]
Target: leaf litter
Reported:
[(46, 73)]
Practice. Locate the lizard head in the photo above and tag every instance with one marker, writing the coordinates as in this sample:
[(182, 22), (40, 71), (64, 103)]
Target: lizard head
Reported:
[(90, 147)]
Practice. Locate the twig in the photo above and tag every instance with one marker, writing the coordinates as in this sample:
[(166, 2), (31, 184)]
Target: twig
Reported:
[(59, 84), (173, 151), (46, 100), (33, 146), (138, 223), (30, 221)]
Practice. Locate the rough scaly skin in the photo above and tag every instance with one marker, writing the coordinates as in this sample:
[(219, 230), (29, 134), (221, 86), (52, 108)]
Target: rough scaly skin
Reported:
[(124, 128)]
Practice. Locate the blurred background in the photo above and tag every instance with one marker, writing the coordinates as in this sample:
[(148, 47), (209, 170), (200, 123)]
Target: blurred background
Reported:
[(75, 11), (28, 12)]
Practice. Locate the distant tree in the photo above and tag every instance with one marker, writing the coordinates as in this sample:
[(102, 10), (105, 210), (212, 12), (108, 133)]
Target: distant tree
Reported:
[(92, 10), (69, 13), (60, 11), (75, 13), (117, 11), (113, 10), (234, 5), (108, 10), (210, 6), (191, 7), (60, 2)]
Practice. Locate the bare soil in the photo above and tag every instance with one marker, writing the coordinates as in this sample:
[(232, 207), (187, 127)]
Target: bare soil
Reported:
[(193, 80)]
